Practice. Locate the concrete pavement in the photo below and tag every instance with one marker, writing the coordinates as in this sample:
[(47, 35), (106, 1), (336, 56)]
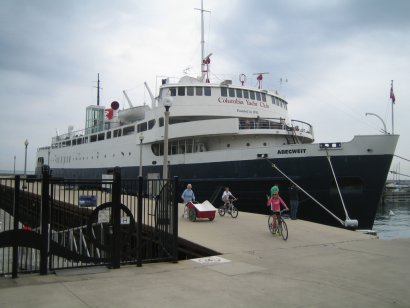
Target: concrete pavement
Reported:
[(318, 266)]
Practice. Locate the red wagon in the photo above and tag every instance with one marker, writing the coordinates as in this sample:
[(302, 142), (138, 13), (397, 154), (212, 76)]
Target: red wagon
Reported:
[(194, 210)]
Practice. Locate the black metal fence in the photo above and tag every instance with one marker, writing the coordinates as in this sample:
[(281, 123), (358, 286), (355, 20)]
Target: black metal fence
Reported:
[(49, 223)]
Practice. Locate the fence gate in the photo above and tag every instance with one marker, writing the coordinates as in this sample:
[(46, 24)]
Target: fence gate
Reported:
[(49, 224)]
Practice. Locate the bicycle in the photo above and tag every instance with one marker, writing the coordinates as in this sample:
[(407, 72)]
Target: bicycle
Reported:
[(230, 208), (281, 226)]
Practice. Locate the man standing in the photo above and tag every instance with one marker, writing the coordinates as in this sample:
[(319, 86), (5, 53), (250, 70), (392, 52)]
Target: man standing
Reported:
[(294, 200)]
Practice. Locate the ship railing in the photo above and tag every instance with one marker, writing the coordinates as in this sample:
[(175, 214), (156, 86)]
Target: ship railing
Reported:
[(68, 136), (275, 123), (303, 127)]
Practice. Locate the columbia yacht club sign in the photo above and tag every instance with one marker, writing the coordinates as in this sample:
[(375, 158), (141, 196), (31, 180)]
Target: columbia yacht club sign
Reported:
[(244, 102)]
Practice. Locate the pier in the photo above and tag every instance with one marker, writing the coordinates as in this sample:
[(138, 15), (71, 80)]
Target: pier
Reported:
[(318, 266)]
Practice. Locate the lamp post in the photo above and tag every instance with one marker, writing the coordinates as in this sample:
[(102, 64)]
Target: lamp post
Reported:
[(384, 125), (14, 168), (25, 157), (141, 138), (167, 105), (25, 164)]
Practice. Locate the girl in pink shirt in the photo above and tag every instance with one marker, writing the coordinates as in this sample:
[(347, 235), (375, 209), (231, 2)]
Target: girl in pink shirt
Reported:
[(274, 202)]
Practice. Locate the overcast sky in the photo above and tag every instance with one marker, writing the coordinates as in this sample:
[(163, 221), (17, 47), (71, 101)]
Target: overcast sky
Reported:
[(339, 57)]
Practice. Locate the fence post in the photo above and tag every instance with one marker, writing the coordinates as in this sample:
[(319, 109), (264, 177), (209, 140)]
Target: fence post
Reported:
[(175, 222), (116, 219), (139, 223), (45, 218), (16, 215)]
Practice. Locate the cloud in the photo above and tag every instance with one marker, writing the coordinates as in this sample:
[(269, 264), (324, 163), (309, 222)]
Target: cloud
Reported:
[(338, 58)]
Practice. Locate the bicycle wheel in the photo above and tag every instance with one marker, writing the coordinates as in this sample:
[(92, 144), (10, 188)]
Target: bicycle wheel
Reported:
[(284, 230), (234, 212), (221, 210), (270, 224)]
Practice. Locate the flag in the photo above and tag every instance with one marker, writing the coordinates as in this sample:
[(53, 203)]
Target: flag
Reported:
[(392, 97)]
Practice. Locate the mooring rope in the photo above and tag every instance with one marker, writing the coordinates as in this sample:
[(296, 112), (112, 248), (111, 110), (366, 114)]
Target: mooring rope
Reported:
[(337, 185), (320, 204)]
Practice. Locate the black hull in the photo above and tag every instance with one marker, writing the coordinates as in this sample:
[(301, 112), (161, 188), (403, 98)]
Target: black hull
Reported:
[(361, 180)]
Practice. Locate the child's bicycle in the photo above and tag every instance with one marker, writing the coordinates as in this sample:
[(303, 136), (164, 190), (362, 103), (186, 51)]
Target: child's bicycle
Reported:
[(281, 226), (230, 208)]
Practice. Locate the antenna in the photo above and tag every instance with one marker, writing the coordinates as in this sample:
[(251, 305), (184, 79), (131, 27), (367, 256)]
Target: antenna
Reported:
[(281, 81), (98, 89), (259, 78)]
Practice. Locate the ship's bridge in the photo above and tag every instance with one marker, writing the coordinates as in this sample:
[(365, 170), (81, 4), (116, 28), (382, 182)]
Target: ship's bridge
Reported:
[(192, 98)]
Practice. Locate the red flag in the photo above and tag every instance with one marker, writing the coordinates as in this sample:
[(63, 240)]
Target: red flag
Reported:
[(392, 97)]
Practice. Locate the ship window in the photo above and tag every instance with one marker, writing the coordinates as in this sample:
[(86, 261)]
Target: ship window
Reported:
[(181, 91), (117, 133), (231, 92), (189, 145), (245, 93), (208, 91), (151, 124), (190, 91), (142, 127), (93, 138), (239, 93), (74, 141), (174, 148), (199, 91), (109, 135), (224, 92), (263, 97), (258, 96), (173, 91), (161, 122), (130, 129), (100, 136), (252, 94)]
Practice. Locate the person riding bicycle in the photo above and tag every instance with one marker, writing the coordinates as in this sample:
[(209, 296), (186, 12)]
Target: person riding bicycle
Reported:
[(275, 201), (227, 197)]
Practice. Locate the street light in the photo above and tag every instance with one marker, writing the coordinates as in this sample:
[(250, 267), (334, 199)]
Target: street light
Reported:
[(384, 125), (167, 105), (141, 138), (25, 157), (25, 164)]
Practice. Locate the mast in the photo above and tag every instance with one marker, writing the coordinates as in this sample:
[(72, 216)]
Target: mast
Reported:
[(203, 60), (98, 89)]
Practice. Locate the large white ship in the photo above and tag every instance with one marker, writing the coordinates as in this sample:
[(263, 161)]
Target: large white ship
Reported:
[(224, 134)]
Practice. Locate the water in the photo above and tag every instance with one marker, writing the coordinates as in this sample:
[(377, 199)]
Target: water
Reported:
[(393, 220)]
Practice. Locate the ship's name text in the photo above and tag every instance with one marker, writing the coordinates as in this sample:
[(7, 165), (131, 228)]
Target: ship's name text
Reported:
[(245, 102), (292, 151)]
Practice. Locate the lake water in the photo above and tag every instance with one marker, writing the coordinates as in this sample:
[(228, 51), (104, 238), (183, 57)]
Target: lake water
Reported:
[(393, 220)]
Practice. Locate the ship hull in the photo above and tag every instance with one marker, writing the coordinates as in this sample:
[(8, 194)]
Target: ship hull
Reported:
[(361, 179)]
